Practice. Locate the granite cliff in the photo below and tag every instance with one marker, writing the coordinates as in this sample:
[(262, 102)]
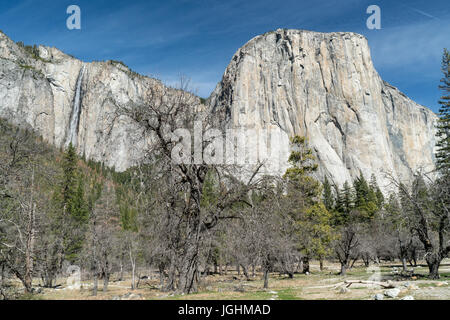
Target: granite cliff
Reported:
[(325, 87), (320, 85)]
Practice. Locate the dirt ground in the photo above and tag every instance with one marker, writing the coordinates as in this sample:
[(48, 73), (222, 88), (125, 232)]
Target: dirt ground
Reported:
[(318, 285)]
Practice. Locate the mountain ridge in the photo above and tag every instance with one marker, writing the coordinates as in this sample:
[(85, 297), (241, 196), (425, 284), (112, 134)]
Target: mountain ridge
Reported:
[(321, 85), (324, 86)]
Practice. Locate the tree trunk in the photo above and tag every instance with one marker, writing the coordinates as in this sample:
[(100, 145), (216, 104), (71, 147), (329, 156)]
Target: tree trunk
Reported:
[(95, 287), (343, 269), (133, 273), (434, 271), (161, 275), (29, 251), (244, 270), (48, 281), (414, 258), (321, 264), (105, 281), (305, 264), (353, 262), (266, 278), (433, 267), (405, 268), (238, 269), (188, 272), (121, 271), (170, 284)]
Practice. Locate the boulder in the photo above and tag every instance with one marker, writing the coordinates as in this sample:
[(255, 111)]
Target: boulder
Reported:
[(392, 293), (378, 296)]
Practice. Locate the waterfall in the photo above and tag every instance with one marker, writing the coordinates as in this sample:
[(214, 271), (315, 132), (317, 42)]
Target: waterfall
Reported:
[(72, 134)]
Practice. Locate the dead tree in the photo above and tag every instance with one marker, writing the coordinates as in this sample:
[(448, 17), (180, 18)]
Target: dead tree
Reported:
[(346, 247), (160, 118), (428, 207)]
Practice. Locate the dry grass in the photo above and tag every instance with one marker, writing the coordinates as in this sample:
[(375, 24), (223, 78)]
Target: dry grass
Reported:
[(317, 285)]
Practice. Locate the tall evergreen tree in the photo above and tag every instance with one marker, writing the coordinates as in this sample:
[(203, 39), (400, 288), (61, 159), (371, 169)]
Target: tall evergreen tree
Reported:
[(303, 164), (69, 181), (348, 198), (361, 192), (314, 222), (376, 194), (74, 207), (328, 197), (339, 206)]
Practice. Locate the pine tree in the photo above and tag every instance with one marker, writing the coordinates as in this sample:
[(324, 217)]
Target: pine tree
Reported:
[(348, 199), (313, 220), (299, 174), (443, 127), (209, 194), (74, 207), (339, 199), (69, 182), (361, 192), (339, 211), (376, 194), (328, 197)]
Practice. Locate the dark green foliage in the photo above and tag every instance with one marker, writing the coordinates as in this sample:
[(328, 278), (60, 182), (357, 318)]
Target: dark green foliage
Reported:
[(368, 197), (361, 192), (69, 183), (126, 188), (364, 198), (299, 175), (339, 211), (209, 194), (328, 197), (375, 192), (73, 205), (348, 201), (313, 221), (301, 159)]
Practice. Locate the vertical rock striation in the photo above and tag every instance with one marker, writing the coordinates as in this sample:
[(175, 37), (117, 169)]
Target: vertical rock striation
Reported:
[(321, 85), (66, 100), (324, 86)]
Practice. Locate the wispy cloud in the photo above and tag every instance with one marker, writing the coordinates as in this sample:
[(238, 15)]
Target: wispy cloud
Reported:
[(423, 13), (197, 38), (416, 44)]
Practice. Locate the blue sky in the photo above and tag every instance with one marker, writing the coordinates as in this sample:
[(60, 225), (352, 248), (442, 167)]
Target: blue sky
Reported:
[(197, 38)]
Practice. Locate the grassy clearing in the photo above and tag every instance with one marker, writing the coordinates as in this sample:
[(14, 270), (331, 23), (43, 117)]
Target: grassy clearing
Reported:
[(319, 285)]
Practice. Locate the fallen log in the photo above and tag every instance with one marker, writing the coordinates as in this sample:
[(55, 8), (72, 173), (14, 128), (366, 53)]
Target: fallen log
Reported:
[(348, 283)]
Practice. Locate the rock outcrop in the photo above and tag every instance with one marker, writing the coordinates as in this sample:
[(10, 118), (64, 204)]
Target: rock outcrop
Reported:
[(321, 85), (38, 88), (325, 87)]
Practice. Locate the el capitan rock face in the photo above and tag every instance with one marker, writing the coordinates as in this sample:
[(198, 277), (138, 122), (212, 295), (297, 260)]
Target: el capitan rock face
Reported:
[(324, 86), (320, 85)]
